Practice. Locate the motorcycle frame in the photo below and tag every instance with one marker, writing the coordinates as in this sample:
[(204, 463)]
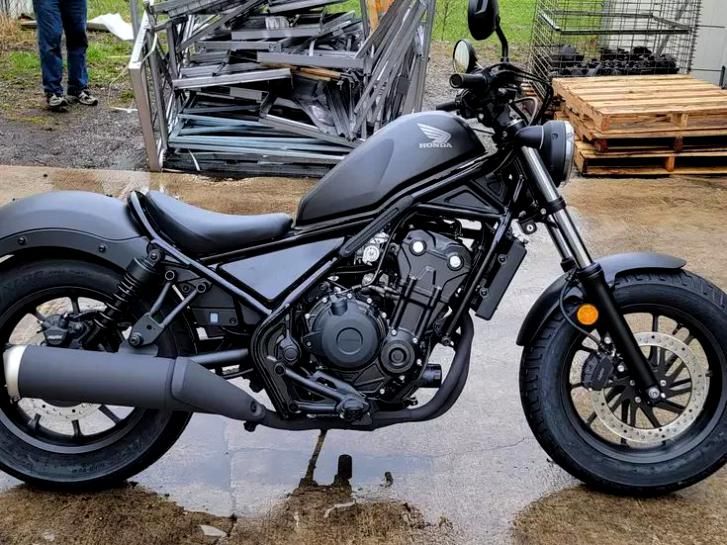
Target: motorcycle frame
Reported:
[(531, 192), (417, 198), (403, 203)]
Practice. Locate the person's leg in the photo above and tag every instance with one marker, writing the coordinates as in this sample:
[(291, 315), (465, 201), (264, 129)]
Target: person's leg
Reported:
[(50, 33), (73, 13)]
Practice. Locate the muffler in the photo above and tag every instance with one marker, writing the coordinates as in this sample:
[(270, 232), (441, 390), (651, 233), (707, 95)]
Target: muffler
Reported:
[(80, 376)]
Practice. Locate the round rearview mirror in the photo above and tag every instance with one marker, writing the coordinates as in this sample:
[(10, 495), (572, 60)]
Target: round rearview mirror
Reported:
[(483, 18), (464, 58)]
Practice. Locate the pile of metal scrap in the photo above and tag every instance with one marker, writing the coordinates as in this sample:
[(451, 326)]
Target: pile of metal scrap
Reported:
[(284, 87)]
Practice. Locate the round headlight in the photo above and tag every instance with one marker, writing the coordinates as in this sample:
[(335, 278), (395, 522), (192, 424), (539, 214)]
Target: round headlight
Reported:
[(570, 152), (558, 150)]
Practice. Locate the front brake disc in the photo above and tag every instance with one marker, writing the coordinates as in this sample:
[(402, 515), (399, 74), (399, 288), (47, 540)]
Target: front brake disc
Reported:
[(697, 396)]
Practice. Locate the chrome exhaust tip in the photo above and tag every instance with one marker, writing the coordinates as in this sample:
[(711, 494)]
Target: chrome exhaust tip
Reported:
[(11, 363)]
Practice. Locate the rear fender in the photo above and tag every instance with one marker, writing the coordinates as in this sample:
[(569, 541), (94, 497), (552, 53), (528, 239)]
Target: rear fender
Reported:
[(614, 265), (74, 222)]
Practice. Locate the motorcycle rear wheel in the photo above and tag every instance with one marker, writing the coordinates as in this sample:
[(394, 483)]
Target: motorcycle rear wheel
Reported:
[(614, 440), (36, 445)]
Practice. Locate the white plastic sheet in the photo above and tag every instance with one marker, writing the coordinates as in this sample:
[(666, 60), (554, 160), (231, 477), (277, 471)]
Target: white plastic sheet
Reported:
[(115, 24)]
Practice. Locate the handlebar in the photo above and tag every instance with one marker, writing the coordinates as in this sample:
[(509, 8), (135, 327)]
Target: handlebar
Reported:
[(450, 106), (469, 81), (464, 81)]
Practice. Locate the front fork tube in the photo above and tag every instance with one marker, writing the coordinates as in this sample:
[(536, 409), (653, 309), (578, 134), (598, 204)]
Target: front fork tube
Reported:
[(571, 247), (611, 319)]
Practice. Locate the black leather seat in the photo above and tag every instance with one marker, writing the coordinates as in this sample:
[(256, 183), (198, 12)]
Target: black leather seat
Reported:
[(201, 232)]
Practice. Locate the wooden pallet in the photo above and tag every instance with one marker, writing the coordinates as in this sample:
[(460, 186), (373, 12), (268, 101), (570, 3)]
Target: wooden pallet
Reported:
[(643, 105), (641, 162), (528, 90), (676, 141)]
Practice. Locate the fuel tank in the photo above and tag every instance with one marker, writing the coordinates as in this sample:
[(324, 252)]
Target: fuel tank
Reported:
[(400, 154)]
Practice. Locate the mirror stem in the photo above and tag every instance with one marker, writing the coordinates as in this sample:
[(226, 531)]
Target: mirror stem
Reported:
[(505, 45)]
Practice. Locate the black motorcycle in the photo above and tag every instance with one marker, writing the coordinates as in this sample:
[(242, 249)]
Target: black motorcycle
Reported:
[(120, 320)]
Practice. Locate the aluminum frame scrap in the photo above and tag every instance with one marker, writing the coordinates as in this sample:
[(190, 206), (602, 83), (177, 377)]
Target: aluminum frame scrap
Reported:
[(274, 87)]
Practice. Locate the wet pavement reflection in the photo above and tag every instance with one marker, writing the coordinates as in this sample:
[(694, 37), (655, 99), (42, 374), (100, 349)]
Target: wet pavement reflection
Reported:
[(477, 469), (311, 513)]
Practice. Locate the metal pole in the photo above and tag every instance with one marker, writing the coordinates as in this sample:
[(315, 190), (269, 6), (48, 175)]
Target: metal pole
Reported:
[(141, 96), (134, 9)]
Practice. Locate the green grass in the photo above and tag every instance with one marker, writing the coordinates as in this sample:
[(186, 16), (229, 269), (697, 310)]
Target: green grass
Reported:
[(450, 23), (107, 58), (16, 65), (99, 7), (451, 20)]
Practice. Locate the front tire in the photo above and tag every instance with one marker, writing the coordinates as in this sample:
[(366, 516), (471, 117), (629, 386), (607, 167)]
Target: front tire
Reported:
[(44, 456), (625, 445)]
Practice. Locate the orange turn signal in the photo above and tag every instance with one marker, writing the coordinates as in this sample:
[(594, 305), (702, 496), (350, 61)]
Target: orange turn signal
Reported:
[(587, 314)]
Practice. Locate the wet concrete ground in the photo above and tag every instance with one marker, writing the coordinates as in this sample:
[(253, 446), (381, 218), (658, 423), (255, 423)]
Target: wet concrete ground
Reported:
[(477, 469)]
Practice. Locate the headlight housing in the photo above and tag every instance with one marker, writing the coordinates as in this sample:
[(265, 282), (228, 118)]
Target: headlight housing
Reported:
[(558, 150)]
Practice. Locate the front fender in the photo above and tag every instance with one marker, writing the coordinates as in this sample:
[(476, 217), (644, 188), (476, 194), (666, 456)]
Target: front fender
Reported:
[(71, 220), (613, 266)]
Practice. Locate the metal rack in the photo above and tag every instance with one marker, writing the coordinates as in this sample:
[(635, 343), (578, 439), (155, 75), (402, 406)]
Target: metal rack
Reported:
[(280, 87), (613, 37)]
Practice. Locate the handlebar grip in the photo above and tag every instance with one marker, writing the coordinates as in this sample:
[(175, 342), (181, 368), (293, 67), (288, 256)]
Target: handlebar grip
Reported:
[(447, 106), (468, 81)]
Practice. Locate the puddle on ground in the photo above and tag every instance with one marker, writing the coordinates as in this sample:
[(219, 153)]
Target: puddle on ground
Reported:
[(276, 466), (313, 513), (218, 467), (578, 516)]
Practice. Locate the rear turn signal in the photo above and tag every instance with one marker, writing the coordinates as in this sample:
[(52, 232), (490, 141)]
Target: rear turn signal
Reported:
[(587, 314)]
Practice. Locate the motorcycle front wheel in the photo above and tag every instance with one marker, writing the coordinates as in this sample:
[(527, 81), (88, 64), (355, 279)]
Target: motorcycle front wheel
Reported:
[(614, 439), (65, 445)]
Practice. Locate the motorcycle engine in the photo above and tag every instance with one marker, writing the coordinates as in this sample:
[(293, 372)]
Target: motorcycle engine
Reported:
[(377, 334)]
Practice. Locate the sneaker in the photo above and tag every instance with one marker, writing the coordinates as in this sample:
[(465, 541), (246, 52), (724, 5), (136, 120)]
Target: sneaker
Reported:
[(84, 97), (56, 103)]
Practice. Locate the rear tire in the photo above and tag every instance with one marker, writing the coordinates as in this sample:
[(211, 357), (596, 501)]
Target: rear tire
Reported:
[(146, 437), (631, 468)]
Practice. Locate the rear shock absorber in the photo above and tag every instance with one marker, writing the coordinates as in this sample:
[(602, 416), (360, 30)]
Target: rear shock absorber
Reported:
[(140, 273)]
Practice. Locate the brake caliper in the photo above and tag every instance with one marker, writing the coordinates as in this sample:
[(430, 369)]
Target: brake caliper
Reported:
[(597, 370)]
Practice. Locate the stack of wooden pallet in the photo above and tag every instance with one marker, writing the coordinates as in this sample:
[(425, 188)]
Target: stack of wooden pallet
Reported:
[(529, 90), (646, 125)]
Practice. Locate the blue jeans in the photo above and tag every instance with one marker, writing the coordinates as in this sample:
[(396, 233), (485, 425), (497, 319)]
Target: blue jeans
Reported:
[(55, 17)]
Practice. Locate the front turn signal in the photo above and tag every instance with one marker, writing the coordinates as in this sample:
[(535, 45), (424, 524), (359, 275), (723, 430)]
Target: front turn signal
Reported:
[(587, 314)]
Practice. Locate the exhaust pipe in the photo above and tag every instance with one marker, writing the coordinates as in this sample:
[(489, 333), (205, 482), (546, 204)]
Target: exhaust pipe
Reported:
[(132, 380)]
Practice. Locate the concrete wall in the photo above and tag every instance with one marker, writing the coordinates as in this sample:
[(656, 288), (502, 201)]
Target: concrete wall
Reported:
[(711, 52)]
